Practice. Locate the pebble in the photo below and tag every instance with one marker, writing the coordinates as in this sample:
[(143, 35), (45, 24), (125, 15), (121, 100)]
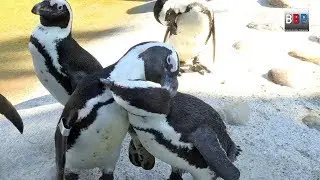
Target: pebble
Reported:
[(290, 77), (235, 113), (312, 121), (308, 55), (264, 26), (314, 38), (293, 3)]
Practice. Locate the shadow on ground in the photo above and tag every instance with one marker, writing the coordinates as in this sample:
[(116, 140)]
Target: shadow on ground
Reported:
[(35, 102), (145, 8), (19, 63)]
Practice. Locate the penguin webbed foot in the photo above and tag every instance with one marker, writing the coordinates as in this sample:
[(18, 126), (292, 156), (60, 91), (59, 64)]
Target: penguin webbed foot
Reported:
[(198, 67), (106, 176), (71, 176), (140, 157), (175, 175)]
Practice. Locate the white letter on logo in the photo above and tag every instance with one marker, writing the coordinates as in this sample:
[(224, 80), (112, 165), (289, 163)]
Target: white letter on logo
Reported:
[(288, 18)]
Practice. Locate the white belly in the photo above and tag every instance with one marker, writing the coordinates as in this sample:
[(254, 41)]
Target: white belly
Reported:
[(99, 145), (160, 151), (47, 80), (193, 29)]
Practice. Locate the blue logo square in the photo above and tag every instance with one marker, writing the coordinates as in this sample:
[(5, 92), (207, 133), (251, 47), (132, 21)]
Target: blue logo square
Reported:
[(304, 19)]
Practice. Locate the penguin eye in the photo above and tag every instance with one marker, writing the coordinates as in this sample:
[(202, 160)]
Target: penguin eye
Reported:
[(60, 7), (168, 60)]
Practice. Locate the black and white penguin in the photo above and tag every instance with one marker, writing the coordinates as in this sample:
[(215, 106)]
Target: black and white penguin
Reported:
[(92, 126), (180, 130), (8, 110), (190, 25), (59, 61)]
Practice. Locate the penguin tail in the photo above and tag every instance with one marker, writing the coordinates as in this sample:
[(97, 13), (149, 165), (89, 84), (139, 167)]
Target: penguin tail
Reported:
[(236, 113), (233, 152)]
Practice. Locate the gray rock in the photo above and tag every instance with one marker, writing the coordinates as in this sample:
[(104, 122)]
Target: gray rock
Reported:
[(264, 26), (292, 3), (312, 121), (291, 77), (308, 55)]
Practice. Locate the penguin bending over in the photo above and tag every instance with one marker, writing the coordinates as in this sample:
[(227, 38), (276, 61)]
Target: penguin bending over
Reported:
[(59, 61), (180, 130), (92, 125), (190, 24), (8, 110)]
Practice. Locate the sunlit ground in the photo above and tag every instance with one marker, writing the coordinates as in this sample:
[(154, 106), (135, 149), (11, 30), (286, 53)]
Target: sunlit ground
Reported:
[(91, 17)]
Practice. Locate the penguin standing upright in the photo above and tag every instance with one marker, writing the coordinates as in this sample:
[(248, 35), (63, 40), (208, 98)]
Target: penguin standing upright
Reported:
[(180, 129), (59, 61), (8, 110), (92, 125), (190, 24)]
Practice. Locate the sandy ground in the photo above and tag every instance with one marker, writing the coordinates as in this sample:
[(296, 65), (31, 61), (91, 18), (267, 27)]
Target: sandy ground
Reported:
[(276, 144)]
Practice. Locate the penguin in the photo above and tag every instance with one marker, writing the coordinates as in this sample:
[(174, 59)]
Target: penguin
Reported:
[(178, 129), (190, 25), (59, 61), (8, 110), (92, 125)]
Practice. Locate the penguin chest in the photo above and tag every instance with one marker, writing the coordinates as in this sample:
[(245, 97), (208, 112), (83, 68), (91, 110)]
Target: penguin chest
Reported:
[(99, 144), (47, 79), (193, 29)]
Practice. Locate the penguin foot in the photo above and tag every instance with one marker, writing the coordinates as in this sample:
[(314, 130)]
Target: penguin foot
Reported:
[(175, 176), (106, 177), (198, 67), (140, 157), (71, 176)]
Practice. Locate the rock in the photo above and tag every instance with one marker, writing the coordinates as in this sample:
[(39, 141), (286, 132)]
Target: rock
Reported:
[(312, 121), (292, 3), (235, 113), (314, 38), (279, 3), (237, 45), (294, 78), (309, 55), (264, 26)]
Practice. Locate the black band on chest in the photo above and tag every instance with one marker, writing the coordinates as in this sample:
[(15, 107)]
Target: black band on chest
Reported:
[(86, 122), (192, 156), (62, 80)]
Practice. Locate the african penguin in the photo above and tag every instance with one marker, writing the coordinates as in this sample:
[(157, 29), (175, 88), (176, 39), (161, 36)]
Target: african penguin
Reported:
[(180, 130), (92, 125), (190, 24), (8, 110), (59, 61)]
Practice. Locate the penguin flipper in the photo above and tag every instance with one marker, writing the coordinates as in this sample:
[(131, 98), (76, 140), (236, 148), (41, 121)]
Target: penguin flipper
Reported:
[(75, 77), (61, 138), (8, 110), (207, 142)]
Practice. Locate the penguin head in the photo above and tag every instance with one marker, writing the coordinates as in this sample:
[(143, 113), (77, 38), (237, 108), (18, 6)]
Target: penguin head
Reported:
[(161, 65), (54, 13)]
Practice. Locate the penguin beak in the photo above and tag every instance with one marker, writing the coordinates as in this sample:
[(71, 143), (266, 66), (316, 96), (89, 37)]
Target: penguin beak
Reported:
[(36, 8), (170, 82), (8, 110)]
